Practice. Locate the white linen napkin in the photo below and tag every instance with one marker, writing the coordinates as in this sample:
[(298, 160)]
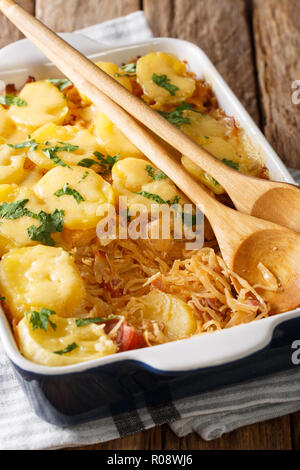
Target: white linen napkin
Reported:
[(210, 415)]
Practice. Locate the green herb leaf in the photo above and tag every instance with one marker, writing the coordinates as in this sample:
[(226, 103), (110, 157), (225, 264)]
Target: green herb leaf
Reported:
[(51, 152), (60, 83), (12, 100), (66, 147), (129, 68), (41, 319), (155, 174), (215, 182), (2, 299), (158, 199), (66, 190), (121, 74), (106, 162), (86, 321), (176, 117), (31, 144), (155, 197), (87, 162), (230, 163), (69, 348), (50, 223), (84, 176), (164, 82), (13, 210)]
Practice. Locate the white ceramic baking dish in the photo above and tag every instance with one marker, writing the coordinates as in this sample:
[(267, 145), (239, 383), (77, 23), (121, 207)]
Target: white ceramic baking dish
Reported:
[(21, 59)]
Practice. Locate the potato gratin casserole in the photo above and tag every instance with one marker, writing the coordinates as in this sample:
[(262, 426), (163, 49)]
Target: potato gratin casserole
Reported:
[(71, 297)]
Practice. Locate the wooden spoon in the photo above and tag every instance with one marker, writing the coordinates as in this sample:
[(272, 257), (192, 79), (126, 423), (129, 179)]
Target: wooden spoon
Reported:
[(277, 202), (244, 241)]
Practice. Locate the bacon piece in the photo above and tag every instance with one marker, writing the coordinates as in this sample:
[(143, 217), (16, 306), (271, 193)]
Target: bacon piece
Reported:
[(128, 338), (10, 89)]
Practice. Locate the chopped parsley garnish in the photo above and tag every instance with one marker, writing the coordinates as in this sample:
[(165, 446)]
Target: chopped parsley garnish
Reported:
[(66, 190), (105, 162), (60, 83), (155, 174), (65, 147), (164, 82), (9, 100), (31, 144), (41, 319), (50, 223), (129, 68), (86, 321), (230, 163), (215, 182), (68, 349), (51, 152), (13, 210), (176, 117), (121, 74), (157, 198), (87, 162), (2, 299), (84, 176)]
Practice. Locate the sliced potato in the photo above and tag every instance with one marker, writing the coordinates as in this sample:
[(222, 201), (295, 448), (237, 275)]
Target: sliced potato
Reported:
[(131, 173), (45, 103), (161, 63), (130, 176), (115, 72), (39, 346), (202, 125), (220, 148), (38, 277), (7, 126), (201, 175), (9, 132), (177, 316), (58, 136), (13, 232), (94, 190), (31, 177), (114, 141), (11, 165)]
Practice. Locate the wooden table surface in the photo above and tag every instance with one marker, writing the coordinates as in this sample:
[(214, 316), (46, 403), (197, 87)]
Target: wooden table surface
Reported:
[(255, 44)]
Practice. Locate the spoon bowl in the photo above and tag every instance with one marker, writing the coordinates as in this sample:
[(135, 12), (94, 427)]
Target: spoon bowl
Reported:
[(276, 202), (269, 260)]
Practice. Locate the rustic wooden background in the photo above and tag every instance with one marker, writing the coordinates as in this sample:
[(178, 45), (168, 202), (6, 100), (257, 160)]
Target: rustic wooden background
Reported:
[(255, 44)]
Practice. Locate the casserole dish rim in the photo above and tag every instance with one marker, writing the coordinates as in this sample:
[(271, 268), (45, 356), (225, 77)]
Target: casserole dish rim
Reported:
[(173, 356)]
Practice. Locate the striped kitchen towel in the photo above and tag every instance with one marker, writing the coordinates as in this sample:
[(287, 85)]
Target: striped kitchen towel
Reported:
[(210, 414)]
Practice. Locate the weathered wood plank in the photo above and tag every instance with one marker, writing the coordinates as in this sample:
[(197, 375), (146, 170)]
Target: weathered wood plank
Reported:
[(269, 435), (220, 28), (67, 15), (295, 420), (8, 32), (277, 40)]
